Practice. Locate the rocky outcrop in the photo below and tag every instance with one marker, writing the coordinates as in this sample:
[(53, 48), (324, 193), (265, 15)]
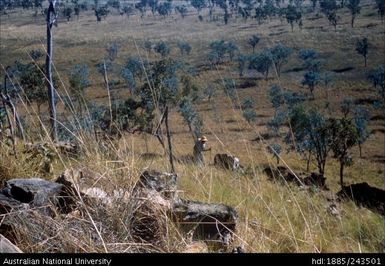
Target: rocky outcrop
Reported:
[(60, 146), (364, 195), (155, 199), (151, 205), (37, 193), (281, 173), (227, 161)]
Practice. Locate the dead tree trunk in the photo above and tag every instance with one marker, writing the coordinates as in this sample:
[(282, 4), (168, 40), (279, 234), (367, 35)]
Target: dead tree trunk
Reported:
[(11, 128), (171, 157), (108, 91), (8, 101), (51, 18), (158, 132)]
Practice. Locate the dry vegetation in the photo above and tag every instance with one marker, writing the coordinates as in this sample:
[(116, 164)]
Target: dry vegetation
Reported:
[(273, 216)]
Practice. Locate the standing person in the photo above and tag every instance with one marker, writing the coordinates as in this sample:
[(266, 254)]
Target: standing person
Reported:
[(199, 148)]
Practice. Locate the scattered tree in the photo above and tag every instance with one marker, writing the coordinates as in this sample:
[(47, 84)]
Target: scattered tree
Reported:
[(184, 47), (253, 41), (293, 15), (242, 62), (198, 4), (311, 79), (361, 118), (276, 96), (36, 54), (112, 51), (67, 13), (78, 82), (191, 117), (380, 4), (354, 7), (162, 48), (229, 89), (362, 47), (33, 83), (377, 77), (347, 106), (310, 133), (250, 115), (280, 54), (310, 59), (344, 137), (101, 12), (182, 10), (261, 62)]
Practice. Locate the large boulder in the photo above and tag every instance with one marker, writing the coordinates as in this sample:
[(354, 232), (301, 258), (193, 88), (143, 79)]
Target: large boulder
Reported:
[(281, 173), (316, 180), (38, 193), (155, 200), (365, 195), (151, 202), (164, 183), (227, 161), (207, 221)]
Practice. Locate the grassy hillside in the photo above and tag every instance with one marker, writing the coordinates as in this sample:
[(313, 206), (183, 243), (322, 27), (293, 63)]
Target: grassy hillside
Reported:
[(273, 216)]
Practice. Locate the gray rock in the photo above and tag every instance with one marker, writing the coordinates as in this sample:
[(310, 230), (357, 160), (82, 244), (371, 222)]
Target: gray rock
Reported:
[(209, 221), (38, 192), (7, 246), (155, 196), (227, 161), (164, 183)]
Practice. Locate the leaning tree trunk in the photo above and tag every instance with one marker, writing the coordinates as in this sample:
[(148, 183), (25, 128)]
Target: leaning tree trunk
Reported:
[(11, 128), (51, 17), (171, 157)]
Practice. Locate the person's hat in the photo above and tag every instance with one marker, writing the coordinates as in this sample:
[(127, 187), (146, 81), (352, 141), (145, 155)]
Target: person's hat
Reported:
[(203, 139)]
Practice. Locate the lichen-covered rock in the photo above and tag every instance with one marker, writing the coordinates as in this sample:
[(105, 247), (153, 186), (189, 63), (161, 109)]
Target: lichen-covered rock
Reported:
[(164, 183), (44, 195), (155, 200), (227, 161), (209, 221)]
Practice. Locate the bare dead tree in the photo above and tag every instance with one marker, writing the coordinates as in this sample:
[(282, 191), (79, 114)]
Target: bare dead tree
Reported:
[(11, 128), (108, 89), (51, 18), (8, 104), (171, 157)]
